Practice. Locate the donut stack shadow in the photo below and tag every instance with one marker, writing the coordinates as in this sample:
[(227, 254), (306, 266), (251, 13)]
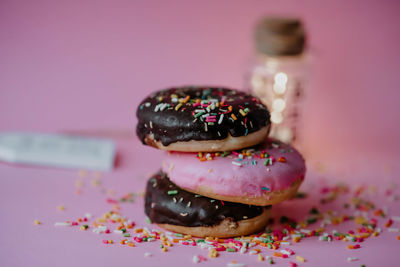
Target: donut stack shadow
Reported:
[(221, 173)]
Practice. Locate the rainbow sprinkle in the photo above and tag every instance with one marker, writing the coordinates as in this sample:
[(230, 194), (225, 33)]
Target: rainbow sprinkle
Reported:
[(277, 240)]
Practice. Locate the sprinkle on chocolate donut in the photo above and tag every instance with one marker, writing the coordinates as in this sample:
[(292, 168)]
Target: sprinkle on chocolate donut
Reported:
[(199, 113), (165, 203)]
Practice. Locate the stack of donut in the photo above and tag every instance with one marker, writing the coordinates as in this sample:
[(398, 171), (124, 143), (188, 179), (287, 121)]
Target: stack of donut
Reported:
[(221, 172)]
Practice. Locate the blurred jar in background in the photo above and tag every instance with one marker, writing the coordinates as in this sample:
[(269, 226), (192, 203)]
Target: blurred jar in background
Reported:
[(280, 73)]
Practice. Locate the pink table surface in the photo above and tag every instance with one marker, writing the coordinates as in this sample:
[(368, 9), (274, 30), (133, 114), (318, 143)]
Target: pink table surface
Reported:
[(35, 193), (85, 65)]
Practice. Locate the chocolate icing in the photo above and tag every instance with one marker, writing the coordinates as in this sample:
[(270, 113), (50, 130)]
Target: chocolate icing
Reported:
[(188, 209), (159, 116)]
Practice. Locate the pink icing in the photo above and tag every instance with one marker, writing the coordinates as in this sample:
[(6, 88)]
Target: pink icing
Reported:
[(226, 178)]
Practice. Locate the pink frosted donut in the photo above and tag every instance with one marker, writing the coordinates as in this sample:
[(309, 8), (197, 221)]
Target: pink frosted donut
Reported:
[(264, 175)]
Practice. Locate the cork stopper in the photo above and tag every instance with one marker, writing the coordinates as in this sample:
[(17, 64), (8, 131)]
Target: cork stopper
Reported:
[(279, 36)]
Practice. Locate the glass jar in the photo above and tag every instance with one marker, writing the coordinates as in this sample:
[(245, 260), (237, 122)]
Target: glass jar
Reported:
[(279, 74)]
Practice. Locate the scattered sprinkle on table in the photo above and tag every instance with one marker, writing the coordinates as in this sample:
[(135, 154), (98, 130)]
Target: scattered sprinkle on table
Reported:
[(358, 209), (350, 259)]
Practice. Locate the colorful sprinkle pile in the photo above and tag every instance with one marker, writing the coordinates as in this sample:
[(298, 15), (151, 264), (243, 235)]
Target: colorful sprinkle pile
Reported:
[(276, 242)]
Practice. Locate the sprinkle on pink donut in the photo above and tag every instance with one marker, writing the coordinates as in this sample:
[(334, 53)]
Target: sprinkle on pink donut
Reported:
[(249, 172)]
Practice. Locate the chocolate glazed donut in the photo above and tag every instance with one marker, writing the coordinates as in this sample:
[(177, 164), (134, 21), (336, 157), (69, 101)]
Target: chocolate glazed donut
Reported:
[(199, 114), (165, 203)]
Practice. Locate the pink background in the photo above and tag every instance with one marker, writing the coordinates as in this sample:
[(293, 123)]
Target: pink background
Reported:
[(68, 65), (85, 65)]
